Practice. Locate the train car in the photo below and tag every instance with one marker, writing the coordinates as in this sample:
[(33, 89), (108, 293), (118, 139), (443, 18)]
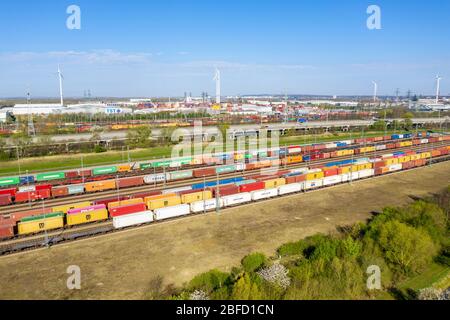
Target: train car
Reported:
[(289, 188), (205, 172), (75, 189), (225, 190), (6, 231), (16, 216), (67, 207), (236, 199), (102, 185), (132, 219), (312, 176), (172, 211), (130, 182), (36, 224), (87, 216), (252, 186), (31, 196), (226, 169), (154, 178), (5, 199), (294, 159), (71, 174), (104, 171), (127, 209), (204, 205), (264, 194), (61, 191), (178, 175), (10, 191)]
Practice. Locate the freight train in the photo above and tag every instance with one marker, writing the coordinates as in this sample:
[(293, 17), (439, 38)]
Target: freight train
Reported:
[(29, 192), (201, 197)]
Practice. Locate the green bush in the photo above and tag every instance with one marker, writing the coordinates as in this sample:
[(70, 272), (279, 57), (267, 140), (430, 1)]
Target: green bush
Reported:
[(253, 261), (292, 248), (209, 281), (99, 149)]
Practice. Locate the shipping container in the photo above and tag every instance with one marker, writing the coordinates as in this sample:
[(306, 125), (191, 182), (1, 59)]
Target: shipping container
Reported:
[(225, 169), (159, 177), (264, 194), (394, 167), (290, 188), (26, 188), (130, 182), (252, 186), (86, 209), (60, 191), (176, 190), (104, 170), (75, 189), (124, 168), (67, 207), (199, 173), (26, 179), (171, 212), (70, 174), (105, 201), (225, 190), (132, 219), (176, 175), (312, 184), (5, 199), (4, 182), (273, 183), (50, 176), (127, 209), (16, 216), (6, 231), (41, 224), (330, 180), (87, 217), (124, 202), (32, 196), (204, 205), (100, 185), (236, 199), (196, 196), (168, 201)]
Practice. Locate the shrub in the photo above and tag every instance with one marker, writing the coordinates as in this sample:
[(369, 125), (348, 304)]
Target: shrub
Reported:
[(253, 261), (292, 248), (209, 281)]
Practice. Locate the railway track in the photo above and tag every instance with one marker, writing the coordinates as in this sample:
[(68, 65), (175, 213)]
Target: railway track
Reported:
[(179, 183), (19, 244)]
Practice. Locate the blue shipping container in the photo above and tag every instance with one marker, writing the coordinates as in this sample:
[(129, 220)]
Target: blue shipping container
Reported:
[(26, 179)]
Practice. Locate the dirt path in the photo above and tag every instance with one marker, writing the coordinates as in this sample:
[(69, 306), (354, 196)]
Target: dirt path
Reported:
[(122, 265)]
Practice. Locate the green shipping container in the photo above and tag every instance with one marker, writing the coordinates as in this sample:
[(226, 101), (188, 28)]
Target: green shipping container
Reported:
[(161, 164), (225, 169), (9, 181), (181, 174), (104, 170), (42, 216), (49, 176), (144, 166)]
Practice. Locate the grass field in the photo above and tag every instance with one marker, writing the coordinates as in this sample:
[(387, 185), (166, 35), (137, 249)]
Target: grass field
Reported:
[(64, 162), (124, 265)]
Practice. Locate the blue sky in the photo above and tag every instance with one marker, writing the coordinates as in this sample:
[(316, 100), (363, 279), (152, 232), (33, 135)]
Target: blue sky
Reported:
[(159, 48)]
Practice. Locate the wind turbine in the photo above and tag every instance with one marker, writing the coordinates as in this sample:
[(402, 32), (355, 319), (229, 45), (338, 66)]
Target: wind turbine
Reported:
[(217, 80), (60, 76), (438, 81), (375, 89)]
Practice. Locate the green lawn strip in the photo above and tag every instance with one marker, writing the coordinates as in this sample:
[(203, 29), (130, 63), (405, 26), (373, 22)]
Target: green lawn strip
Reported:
[(434, 275), (65, 162)]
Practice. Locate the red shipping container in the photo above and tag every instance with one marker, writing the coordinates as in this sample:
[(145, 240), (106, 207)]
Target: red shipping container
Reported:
[(145, 194), (108, 200), (251, 186), (225, 190), (5, 199), (60, 191), (130, 182), (6, 232), (330, 172), (387, 137), (264, 177), (198, 173), (71, 174), (379, 164), (334, 154), (43, 187), (12, 191), (85, 173), (16, 216), (379, 171), (325, 155), (127, 209), (315, 156), (390, 146)]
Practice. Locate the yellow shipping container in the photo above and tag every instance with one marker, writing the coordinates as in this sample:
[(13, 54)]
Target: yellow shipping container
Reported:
[(345, 170), (294, 159), (85, 217), (164, 202), (314, 176), (238, 156), (273, 183), (415, 157), (159, 196), (342, 153), (124, 168), (406, 144), (68, 207), (425, 155), (100, 185), (364, 166), (196, 196), (124, 202), (404, 159), (34, 226), (391, 161)]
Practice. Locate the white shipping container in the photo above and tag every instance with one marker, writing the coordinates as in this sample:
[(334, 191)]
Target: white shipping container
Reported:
[(344, 177), (236, 199), (366, 173), (151, 178), (173, 211), (264, 194), (346, 141), (175, 190), (240, 166), (299, 170), (395, 167), (294, 150), (423, 140), (327, 181), (388, 155), (132, 219), (290, 188), (27, 188), (330, 145), (311, 184), (209, 204), (380, 147), (314, 170)]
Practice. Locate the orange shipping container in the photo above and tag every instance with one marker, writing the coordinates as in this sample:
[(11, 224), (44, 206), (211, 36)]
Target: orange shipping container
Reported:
[(125, 202), (100, 185)]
